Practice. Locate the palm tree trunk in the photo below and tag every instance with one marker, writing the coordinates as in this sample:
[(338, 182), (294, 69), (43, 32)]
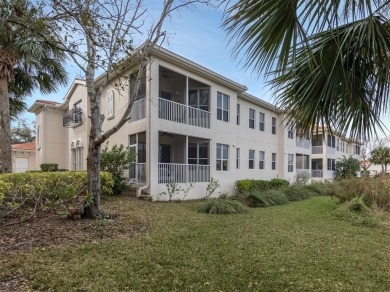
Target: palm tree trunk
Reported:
[(5, 128)]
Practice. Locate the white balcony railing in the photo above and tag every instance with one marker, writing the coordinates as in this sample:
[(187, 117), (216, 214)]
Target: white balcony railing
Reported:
[(302, 170), (182, 173), (181, 113), (303, 143), (316, 173), (138, 111), (316, 150)]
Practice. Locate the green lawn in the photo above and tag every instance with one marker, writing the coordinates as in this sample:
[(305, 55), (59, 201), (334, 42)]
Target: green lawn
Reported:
[(294, 247)]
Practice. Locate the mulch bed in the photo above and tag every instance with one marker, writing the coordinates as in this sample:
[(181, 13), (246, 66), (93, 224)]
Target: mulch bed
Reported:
[(50, 230)]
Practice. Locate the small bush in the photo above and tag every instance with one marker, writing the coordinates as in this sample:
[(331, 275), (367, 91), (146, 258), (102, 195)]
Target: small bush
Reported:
[(277, 183), (357, 212), (297, 193), (265, 199), (222, 206), (116, 161), (43, 190), (49, 167), (251, 185)]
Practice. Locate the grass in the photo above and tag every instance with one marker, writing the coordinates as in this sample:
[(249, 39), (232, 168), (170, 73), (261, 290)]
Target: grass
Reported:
[(295, 247)]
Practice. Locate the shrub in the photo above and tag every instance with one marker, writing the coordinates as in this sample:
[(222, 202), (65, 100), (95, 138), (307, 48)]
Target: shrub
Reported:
[(116, 161), (49, 167), (297, 193), (251, 185), (302, 178), (324, 188), (375, 191), (279, 183), (357, 212), (265, 199), (222, 206), (41, 190)]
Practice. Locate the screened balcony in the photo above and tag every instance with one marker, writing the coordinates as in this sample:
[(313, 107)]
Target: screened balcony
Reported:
[(183, 100), (182, 159)]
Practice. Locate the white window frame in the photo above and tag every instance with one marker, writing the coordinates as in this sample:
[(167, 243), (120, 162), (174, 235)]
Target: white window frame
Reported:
[(238, 113), (261, 159), (290, 131), (331, 164), (261, 121), (252, 120), (223, 148), (273, 128), (290, 163), (251, 159), (223, 101), (331, 141), (237, 158), (273, 161)]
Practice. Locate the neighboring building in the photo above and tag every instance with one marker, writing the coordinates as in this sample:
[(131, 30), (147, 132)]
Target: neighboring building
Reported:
[(23, 157), (326, 149), (187, 125)]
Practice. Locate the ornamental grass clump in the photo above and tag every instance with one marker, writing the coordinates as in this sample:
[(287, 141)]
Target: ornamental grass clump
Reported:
[(222, 206), (265, 199)]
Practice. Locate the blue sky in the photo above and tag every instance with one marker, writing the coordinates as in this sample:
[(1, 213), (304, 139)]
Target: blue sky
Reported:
[(195, 33)]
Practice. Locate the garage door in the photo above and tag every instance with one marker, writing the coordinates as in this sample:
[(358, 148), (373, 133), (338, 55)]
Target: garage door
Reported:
[(21, 164)]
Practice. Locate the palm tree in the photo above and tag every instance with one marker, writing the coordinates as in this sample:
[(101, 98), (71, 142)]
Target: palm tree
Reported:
[(347, 167), (27, 62), (328, 61), (381, 155)]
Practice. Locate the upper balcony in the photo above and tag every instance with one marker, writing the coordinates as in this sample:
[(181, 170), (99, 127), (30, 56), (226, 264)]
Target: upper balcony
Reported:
[(181, 113), (183, 99), (73, 118)]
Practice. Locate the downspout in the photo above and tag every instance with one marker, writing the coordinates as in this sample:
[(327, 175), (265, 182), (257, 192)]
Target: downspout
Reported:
[(139, 191)]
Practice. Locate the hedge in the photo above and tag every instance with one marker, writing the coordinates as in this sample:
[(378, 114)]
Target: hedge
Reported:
[(251, 185), (26, 188)]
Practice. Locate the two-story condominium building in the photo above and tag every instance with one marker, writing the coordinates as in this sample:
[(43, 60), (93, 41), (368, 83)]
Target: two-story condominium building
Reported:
[(188, 124)]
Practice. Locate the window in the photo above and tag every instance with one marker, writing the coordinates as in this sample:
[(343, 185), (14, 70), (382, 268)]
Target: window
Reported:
[(251, 159), (273, 163), (261, 121), (290, 131), (198, 153), (274, 125), (261, 159), (251, 118), (222, 157), (331, 141), (199, 98), (290, 164), (223, 107), (238, 113), (77, 112), (356, 149), (77, 155), (338, 144), (331, 164), (238, 158), (110, 105), (39, 144)]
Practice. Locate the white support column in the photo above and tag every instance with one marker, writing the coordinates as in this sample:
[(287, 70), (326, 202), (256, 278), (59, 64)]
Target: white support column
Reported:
[(186, 159), (187, 102)]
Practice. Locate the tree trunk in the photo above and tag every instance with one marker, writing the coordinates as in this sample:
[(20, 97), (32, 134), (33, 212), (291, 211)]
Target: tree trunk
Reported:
[(5, 128), (92, 208)]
